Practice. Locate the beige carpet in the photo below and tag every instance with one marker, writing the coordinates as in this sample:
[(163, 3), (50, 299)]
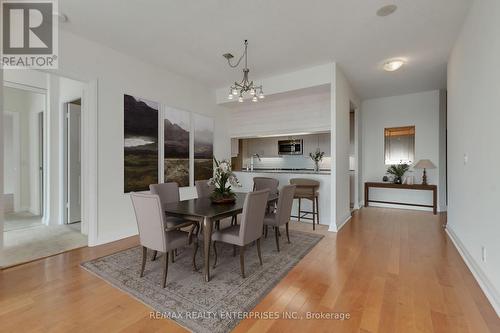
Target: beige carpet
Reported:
[(38, 241)]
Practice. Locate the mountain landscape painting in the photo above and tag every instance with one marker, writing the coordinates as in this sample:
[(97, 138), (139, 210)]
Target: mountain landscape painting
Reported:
[(203, 147), (140, 143), (176, 146)]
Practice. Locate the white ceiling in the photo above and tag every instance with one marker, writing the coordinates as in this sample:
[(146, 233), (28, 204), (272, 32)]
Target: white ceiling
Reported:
[(189, 37)]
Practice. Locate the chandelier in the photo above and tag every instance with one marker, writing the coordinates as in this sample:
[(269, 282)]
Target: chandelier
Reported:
[(245, 86)]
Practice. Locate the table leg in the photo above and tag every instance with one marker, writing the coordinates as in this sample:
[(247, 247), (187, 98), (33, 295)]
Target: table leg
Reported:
[(366, 195), (434, 200), (207, 240)]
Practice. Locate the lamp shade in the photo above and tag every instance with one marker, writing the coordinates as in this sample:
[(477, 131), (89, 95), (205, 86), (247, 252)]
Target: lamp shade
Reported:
[(425, 164)]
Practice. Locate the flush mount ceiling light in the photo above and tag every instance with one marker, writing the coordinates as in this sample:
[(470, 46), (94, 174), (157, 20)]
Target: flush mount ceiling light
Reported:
[(386, 10), (393, 65), (245, 86), (62, 18)]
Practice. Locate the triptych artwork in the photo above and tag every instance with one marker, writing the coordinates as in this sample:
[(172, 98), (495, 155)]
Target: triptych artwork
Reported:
[(180, 127)]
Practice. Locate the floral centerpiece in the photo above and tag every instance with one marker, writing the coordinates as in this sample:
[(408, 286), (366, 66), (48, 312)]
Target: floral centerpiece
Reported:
[(317, 157), (222, 181)]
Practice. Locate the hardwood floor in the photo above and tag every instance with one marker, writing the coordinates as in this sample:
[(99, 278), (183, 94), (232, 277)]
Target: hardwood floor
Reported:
[(391, 270)]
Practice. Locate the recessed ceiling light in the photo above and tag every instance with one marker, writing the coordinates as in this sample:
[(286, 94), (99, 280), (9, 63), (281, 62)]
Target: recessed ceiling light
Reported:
[(393, 65), (387, 10)]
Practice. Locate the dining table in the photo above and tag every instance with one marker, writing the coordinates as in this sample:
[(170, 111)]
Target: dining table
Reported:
[(205, 212)]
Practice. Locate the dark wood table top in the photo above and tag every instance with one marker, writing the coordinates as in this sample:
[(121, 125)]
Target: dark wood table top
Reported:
[(204, 208), (405, 186)]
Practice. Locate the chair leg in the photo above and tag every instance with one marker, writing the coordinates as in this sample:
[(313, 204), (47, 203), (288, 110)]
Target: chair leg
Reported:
[(215, 253), (265, 231), (242, 260), (154, 255), (173, 256), (258, 251), (194, 255), (317, 210), (234, 250), (217, 225), (276, 230), (287, 234), (314, 213), (299, 209), (144, 255), (165, 270)]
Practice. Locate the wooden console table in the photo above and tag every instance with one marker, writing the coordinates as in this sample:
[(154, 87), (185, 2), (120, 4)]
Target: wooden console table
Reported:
[(432, 188)]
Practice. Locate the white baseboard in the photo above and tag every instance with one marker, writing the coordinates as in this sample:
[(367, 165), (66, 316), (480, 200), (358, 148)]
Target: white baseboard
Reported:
[(338, 227), (487, 287), (114, 237)]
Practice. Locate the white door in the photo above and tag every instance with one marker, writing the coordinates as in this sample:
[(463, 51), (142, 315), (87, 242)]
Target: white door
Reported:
[(74, 163)]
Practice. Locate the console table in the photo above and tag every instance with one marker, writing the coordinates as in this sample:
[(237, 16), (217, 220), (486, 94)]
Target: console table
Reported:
[(432, 188)]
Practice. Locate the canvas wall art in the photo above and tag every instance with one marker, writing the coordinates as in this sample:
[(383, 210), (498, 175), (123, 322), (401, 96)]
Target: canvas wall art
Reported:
[(176, 146), (203, 147), (140, 143)]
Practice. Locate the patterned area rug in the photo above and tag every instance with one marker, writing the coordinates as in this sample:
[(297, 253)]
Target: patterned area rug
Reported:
[(216, 306)]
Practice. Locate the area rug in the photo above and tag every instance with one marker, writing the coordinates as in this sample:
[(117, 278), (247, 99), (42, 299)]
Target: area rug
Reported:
[(216, 306)]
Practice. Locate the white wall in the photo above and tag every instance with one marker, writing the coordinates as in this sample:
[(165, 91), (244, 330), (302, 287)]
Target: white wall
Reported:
[(473, 118), (1, 163), (283, 113), (344, 95), (419, 109), (118, 74), (26, 105)]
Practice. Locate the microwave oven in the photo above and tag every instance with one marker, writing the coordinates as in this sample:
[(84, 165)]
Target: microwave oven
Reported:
[(290, 147)]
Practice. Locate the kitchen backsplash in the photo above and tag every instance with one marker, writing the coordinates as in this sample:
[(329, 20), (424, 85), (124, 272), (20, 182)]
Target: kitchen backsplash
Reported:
[(291, 162)]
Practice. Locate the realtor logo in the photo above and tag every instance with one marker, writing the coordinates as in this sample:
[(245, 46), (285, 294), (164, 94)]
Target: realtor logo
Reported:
[(29, 34)]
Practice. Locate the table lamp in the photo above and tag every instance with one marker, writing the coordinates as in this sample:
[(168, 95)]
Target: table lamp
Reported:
[(424, 164)]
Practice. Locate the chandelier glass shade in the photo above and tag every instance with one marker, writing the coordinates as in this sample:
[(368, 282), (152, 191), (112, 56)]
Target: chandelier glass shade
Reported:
[(245, 87)]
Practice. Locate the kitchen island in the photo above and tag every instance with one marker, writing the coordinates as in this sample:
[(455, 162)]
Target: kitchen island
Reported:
[(283, 176)]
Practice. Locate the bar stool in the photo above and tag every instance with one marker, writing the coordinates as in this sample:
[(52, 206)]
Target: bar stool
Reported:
[(307, 189)]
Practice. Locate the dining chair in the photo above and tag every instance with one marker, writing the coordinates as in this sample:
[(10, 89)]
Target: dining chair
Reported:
[(204, 190), (282, 214), (262, 183), (168, 193), (249, 229), (152, 234)]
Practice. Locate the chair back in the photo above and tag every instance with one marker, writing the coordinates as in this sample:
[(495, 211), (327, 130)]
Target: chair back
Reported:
[(150, 222), (285, 202), (252, 217), (266, 183), (304, 182), (203, 188), (168, 192)]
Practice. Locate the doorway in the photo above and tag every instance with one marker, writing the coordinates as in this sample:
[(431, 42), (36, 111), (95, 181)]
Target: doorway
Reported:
[(73, 172)]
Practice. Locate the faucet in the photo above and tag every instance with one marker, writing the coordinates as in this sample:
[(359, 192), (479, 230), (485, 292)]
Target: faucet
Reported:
[(251, 160)]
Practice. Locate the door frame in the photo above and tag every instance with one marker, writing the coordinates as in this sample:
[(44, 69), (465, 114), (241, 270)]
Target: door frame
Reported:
[(16, 133)]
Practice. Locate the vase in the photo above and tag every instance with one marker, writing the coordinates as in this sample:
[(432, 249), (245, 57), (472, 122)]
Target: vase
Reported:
[(227, 198), (316, 166), (397, 180)]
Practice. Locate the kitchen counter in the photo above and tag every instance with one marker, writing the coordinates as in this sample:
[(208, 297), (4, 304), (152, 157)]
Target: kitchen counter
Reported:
[(305, 172), (284, 176)]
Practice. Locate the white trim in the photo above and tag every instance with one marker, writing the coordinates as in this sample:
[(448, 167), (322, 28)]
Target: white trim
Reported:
[(25, 87), (114, 237), (405, 207), (16, 137), (485, 284), (89, 161)]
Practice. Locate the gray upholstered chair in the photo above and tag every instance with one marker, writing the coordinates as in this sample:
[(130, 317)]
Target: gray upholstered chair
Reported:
[(250, 228), (307, 189), (168, 193), (152, 234), (203, 188), (263, 183), (282, 214)]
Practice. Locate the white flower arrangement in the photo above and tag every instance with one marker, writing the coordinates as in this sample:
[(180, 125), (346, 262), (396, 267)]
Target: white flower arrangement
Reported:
[(223, 178)]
